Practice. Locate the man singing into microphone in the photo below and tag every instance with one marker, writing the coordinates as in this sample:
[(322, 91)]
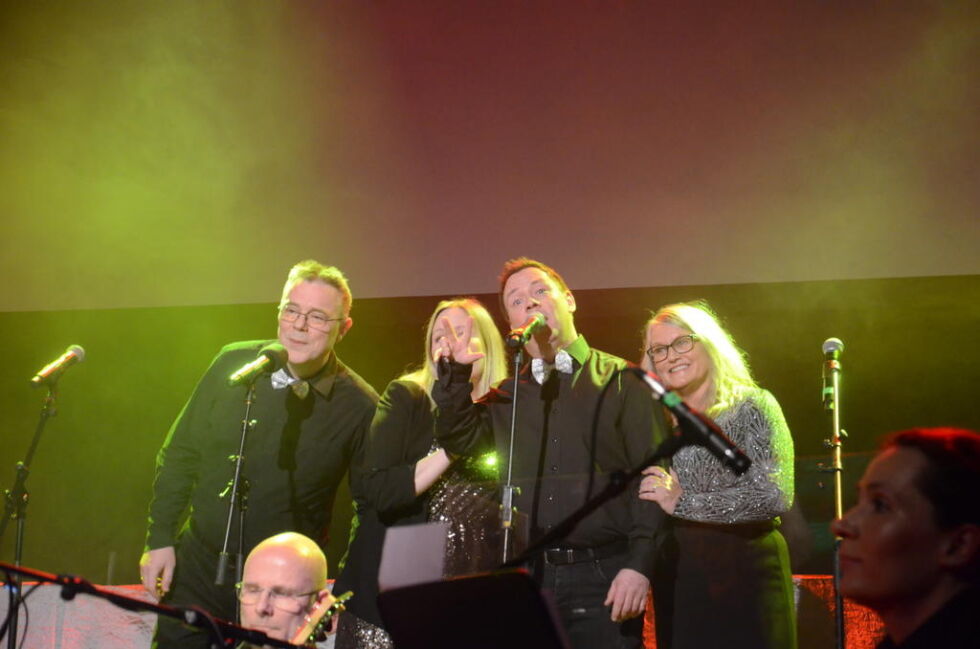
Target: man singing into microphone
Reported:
[(599, 574), (310, 418)]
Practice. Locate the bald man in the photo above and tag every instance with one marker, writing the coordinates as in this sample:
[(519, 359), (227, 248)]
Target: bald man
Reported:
[(285, 577)]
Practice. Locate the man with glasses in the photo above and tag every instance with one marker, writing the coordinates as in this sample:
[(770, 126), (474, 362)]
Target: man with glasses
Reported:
[(285, 577), (310, 421)]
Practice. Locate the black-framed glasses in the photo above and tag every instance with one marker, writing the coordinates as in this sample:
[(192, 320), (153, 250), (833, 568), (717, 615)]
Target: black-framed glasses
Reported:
[(283, 600), (314, 319), (680, 345)]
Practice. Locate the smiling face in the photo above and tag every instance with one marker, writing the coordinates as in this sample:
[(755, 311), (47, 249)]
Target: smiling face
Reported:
[(891, 547), (309, 347), (684, 373), (531, 291)]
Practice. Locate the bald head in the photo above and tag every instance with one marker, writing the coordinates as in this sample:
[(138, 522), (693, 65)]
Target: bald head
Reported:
[(284, 576), (293, 549)]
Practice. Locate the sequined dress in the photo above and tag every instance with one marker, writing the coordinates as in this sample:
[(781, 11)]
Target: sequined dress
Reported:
[(384, 491), (723, 578), (467, 500)]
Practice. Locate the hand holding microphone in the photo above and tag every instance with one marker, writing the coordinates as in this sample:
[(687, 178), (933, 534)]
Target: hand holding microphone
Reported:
[(449, 345)]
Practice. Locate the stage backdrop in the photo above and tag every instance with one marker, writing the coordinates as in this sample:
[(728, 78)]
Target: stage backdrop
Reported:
[(188, 152)]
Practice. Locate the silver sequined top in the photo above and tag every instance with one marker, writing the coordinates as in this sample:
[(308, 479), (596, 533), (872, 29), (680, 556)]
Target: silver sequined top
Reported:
[(713, 494)]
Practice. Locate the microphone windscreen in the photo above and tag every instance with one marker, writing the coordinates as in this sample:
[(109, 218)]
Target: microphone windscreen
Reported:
[(833, 345), (78, 352)]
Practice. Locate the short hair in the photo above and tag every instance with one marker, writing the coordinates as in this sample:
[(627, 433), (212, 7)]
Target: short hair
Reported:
[(952, 475), (516, 265), (310, 270), (495, 361), (730, 373)]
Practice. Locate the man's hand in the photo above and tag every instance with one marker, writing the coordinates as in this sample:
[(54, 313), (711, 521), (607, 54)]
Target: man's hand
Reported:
[(157, 570), (627, 595), (456, 345)]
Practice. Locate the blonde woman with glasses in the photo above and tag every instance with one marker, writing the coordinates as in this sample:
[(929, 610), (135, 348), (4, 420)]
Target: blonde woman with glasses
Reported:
[(723, 578)]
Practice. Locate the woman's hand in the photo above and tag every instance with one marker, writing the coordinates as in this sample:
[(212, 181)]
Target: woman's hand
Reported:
[(661, 487), (453, 346)]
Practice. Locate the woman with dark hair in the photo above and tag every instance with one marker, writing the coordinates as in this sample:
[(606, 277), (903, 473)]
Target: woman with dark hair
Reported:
[(910, 547), (723, 578), (405, 478)]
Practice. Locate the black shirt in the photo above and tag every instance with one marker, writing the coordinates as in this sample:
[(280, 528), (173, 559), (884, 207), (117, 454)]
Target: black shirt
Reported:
[(295, 456), (560, 459), (955, 626)]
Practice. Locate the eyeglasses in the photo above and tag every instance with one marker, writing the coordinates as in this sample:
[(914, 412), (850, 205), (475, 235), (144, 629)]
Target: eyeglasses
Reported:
[(314, 319), (287, 602), (680, 345)]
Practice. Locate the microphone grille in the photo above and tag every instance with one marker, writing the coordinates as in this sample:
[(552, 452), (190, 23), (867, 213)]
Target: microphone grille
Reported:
[(77, 352), (833, 345)]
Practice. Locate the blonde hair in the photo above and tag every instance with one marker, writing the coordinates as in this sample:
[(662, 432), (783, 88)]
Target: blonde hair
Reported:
[(495, 361), (730, 376)]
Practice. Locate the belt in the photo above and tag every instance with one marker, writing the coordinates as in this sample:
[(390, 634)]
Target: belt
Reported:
[(749, 530), (563, 556)]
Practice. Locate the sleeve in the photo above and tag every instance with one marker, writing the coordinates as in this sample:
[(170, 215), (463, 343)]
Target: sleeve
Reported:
[(178, 463), (400, 434), (644, 430), (766, 489), (462, 426)]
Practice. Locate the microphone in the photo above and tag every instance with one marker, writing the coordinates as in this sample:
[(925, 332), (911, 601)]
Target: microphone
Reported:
[(50, 372), (271, 358), (700, 428), (519, 337), (832, 348)]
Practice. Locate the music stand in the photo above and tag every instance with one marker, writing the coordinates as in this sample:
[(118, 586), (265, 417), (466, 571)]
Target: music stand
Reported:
[(486, 611)]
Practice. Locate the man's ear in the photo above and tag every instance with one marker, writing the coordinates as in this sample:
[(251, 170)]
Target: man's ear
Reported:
[(570, 298), (345, 327)]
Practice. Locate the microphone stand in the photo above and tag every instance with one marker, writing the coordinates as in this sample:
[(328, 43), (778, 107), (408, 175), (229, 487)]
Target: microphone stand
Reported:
[(507, 495), (15, 507), (835, 443), (237, 491), (692, 424), (618, 482), (221, 631)]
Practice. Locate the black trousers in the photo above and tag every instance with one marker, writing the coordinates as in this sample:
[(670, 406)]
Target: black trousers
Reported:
[(193, 585), (579, 590)]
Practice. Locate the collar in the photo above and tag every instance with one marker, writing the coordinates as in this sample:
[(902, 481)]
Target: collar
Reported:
[(321, 382), (578, 352)]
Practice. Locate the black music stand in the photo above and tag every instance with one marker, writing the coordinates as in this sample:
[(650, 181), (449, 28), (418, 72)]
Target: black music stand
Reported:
[(486, 611)]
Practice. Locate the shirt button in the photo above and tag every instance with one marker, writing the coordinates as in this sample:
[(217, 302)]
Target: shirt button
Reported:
[(554, 468), (554, 440), (551, 498)]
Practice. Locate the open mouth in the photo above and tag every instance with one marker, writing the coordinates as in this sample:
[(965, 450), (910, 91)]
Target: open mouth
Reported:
[(678, 368)]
